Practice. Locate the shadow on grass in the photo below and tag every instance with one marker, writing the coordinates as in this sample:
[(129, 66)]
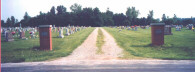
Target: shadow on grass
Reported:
[(14, 59), (155, 46), (148, 45), (36, 48), (177, 58)]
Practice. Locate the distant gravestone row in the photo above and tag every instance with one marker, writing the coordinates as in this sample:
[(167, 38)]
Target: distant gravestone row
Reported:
[(11, 33), (68, 30), (130, 28), (17, 32)]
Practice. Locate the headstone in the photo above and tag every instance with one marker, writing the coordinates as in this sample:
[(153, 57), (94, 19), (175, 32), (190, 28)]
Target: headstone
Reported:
[(17, 32), (79, 29), (4, 32), (9, 37), (135, 28), (75, 29), (71, 31), (157, 31), (32, 34), (129, 28), (193, 29), (22, 35), (61, 33), (45, 37), (132, 27), (178, 28), (147, 27), (67, 32), (167, 30)]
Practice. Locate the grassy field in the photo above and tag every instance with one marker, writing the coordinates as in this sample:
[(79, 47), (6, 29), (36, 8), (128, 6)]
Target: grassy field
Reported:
[(100, 41), (137, 44), (26, 50)]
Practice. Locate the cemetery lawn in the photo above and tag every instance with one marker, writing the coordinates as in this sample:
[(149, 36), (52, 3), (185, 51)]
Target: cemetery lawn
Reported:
[(100, 41), (27, 50), (137, 44)]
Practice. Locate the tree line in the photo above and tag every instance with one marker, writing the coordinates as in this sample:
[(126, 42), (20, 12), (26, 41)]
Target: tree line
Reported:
[(91, 17)]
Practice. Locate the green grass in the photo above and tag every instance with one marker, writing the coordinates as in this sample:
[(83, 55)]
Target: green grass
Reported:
[(26, 50), (100, 41), (137, 44)]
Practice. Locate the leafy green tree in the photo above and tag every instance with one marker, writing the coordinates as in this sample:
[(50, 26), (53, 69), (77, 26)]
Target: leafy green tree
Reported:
[(132, 14), (119, 19), (8, 22), (61, 10), (2, 23), (150, 17), (169, 21), (52, 11), (164, 18), (26, 16), (109, 15), (156, 20), (98, 20), (92, 17), (51, 16), (13, 21), (135, 14), (26, 19), (126, 22), (129, 14), (174, 19), (76, 8)]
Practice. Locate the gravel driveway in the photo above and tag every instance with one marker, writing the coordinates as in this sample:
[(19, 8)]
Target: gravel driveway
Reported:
[(88, 50)]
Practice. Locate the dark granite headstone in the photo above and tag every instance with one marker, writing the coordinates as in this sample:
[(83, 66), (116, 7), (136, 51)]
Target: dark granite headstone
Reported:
[(167, 30)]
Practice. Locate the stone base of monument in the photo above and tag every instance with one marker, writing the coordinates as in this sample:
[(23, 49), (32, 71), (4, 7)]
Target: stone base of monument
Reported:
[(22, 37), (67, 34), (62, 36), (9, 40)]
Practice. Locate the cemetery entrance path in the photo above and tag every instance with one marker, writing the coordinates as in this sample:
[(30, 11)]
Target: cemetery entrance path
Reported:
[(88, 49)]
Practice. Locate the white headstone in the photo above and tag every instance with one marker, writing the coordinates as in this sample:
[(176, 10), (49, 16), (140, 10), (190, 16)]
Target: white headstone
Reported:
[(61, 33)]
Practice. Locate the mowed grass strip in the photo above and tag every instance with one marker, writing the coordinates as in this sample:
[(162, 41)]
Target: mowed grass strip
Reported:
[(100, 41), (179, 46), (26, 50)]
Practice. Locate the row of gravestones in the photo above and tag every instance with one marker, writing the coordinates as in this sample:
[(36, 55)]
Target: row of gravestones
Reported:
[(10, 33), (133, 28), (167, 29), (178, 27), (189, 27), (69, 30)]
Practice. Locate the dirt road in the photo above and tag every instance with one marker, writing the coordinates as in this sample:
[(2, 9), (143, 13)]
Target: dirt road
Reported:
[(88, 49)]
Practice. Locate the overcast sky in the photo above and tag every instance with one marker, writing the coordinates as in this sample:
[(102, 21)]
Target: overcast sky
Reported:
[(182, 8)]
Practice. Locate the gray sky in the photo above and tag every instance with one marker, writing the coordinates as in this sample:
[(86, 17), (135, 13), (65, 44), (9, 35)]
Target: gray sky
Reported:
[(182, 8)]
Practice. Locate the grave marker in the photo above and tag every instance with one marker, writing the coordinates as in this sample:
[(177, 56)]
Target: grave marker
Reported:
[(45, 37), (167, 30), (157, 31), (61, 33), (22, 35), (9, 37)]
